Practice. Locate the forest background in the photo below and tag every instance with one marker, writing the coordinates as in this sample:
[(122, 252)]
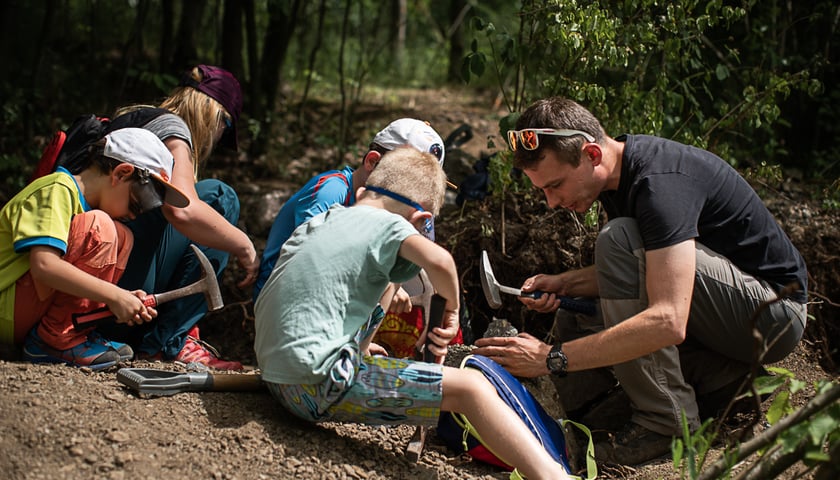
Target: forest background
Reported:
[(754, 81)]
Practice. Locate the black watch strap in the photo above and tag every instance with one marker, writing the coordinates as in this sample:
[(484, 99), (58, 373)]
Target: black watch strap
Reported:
[(557, 362)]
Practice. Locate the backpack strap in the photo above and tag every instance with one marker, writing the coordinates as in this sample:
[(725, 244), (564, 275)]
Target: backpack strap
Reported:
[(135, 118), (46, 164), (326, 177), (591, 466)]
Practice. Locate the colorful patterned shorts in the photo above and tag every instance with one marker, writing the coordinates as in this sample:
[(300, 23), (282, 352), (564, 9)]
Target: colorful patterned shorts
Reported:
[(364, 389)]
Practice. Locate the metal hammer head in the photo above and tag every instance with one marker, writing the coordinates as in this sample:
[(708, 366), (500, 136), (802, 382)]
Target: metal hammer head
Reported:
[(208, 283), (488, 282)]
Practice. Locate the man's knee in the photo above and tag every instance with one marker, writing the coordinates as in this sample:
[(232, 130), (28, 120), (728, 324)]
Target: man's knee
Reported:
[(620, 261)]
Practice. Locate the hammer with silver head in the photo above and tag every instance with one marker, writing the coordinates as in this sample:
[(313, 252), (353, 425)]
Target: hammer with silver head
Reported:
[(492, 288), (207, 284)]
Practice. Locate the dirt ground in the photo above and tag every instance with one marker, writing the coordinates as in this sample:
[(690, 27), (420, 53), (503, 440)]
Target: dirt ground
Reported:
[(67, 423)]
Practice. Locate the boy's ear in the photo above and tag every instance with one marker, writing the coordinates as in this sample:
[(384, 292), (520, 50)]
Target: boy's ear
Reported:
[(371, 159), (123, 171), (417, 216)]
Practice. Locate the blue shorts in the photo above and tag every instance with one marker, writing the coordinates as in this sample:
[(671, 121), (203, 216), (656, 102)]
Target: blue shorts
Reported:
[(365, 389)]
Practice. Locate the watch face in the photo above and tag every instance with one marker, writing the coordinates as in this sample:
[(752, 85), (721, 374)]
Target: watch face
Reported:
[(557, 362)]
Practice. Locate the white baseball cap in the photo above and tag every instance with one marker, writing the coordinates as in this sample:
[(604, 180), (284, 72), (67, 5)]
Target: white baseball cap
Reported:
[(409, 131), (144, 150)]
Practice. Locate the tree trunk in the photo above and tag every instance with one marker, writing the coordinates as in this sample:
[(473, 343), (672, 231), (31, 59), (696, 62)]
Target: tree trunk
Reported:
[(457, 12), (133, 48), (281, 25), (43, 39), (232, 39), (167, 34), (185, 55), (322, 13), (342, 123), (253, 60), (396, 38)]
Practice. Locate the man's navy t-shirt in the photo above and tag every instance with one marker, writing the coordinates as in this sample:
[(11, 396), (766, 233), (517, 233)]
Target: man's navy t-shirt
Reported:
[(677, 192)]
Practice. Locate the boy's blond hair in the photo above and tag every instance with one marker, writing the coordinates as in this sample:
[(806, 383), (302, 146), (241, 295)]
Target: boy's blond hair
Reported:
[(413, 174)]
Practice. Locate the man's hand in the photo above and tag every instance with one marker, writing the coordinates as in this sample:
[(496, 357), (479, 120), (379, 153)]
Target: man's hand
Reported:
[(550, 285), (523, 355)]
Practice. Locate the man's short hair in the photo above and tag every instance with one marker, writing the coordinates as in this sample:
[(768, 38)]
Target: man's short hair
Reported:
[(557, 113)]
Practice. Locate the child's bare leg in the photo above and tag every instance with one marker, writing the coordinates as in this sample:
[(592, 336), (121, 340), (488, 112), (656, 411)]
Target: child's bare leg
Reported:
[(467, 391)]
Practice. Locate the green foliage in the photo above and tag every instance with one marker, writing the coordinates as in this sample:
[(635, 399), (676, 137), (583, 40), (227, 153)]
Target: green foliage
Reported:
[(369, 50), (766, 174), (831, 196), (749, 80), (686, 70), (501, 180), (591, 217), (808, 439), (690, 451), (820, 430)]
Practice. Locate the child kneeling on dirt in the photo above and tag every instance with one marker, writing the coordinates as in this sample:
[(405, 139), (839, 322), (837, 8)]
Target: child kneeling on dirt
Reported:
[(62, 249), (319, 310)]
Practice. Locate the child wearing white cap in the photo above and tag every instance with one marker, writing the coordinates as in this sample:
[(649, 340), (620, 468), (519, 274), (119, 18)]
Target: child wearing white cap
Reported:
[(340, 186), (62, 249)]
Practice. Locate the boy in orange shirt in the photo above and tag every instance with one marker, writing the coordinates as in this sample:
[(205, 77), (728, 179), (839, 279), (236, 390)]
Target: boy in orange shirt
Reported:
[(62, 249)]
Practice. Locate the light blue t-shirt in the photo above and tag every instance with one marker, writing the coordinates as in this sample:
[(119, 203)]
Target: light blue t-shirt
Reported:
[(317, 196), (329, 278)]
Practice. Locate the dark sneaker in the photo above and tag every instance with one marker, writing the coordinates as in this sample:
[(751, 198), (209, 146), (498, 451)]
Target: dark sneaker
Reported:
[(713, 404), (633, 445), (198, 351), (125, 352), (87, 354)]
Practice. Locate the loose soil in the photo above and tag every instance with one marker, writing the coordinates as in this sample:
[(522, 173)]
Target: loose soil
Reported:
[(66, 423)]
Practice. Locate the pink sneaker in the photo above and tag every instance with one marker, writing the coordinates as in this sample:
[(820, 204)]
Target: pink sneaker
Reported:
[(199, 351)]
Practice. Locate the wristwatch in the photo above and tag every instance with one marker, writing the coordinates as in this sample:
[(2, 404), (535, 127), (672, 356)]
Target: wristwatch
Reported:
[(556, 361)]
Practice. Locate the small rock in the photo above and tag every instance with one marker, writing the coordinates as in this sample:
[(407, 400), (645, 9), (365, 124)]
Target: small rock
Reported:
[(500, 327), (117, 436)]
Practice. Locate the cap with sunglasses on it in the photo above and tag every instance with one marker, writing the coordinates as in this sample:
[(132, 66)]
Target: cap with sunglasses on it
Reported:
[(411, 132), (153, 161)]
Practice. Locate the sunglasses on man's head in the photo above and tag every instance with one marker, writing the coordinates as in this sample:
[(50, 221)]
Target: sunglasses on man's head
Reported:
[(529, 138), (427, 226)]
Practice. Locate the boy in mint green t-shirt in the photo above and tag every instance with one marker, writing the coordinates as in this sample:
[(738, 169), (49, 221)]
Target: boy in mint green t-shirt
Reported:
[(319, 309)]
